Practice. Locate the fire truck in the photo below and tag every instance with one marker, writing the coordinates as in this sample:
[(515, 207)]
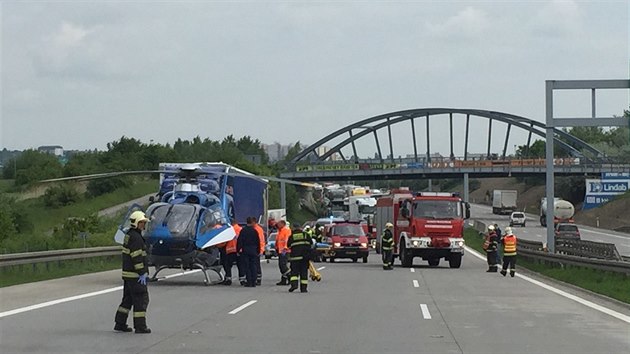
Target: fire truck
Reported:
[(429, 225)]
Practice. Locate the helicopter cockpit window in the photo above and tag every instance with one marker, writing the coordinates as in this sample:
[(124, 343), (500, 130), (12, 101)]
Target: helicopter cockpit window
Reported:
[(178, 218), (213, 218)]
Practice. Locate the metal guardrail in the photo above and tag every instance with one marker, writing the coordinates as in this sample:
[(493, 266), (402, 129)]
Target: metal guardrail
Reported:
[(582, 258), (57, 255)]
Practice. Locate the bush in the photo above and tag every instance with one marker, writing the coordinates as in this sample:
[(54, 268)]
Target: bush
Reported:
[(60, 195), (103, 186)]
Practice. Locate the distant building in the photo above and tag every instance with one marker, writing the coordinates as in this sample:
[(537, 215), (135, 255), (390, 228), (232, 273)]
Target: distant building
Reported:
[(56, 150), (276, 151)]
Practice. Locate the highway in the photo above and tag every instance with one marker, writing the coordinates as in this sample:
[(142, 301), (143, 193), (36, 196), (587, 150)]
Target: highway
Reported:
[(533, 231), (356, 308)]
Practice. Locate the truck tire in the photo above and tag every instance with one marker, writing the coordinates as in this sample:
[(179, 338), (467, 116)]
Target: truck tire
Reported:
[(543, 221), (332, 259), (354, 260), (434, 262), (405, 259), (455, 261), (365, 259)]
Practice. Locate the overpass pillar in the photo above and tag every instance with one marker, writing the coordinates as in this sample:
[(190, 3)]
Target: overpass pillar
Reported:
[(466, 190), (430, 188), (283, 195)]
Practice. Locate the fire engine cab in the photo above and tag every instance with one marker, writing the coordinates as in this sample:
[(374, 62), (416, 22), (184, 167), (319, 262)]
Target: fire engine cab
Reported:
[(429, 225)]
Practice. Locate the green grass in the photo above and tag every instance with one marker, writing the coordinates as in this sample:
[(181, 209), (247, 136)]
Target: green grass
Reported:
[(45, 218), (614, 285), (29, 273), (6, 185)]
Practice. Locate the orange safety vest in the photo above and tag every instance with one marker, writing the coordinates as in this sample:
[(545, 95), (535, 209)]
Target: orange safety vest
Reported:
[(261, 237), (230, 247), (282, 238), (509, 245)]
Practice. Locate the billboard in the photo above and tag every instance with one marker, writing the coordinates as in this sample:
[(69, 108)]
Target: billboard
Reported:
[(601, 191)]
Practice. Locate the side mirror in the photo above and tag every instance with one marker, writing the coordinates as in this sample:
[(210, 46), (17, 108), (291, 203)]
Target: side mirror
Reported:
[(467, 210), (404, 212), (151, 199)]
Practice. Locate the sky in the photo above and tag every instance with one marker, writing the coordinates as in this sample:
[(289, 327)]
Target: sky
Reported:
[(81, 74)]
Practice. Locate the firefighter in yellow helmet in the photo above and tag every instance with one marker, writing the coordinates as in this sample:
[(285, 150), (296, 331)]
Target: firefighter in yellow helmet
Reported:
[(134, 273), (509, 252), (387, 246)]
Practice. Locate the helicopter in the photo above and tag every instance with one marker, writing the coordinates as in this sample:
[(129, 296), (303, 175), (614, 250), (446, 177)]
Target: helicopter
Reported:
[(191, 213)]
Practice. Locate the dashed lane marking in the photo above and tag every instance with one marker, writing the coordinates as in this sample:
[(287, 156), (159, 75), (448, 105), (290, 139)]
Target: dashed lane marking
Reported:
[(242, 307), (425, 311), (578, 299), (321, 268), (416, 284), (413, 270)]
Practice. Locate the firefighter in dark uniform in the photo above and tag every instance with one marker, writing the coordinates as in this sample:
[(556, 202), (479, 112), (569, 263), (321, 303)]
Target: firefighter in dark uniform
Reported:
[(134, 273), (300, 245), (491, 246), (387, 246)]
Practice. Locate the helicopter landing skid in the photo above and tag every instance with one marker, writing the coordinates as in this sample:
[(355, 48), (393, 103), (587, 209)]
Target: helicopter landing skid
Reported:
[(205, 269)]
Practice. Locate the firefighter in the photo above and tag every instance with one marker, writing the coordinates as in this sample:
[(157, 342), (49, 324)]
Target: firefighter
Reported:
[(300, 246), (261, 238), (490, 245), (497, 229), (134, 273), (281, 247), (509, 252), (231, 256), (387, 246), (248, 246)]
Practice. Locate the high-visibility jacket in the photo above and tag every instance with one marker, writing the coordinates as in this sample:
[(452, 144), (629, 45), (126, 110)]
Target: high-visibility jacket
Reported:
[(387, 240), (300, 245), (230, 247), (261, 236), (491, 243), (134, 253), (509, 245), (282, 239)]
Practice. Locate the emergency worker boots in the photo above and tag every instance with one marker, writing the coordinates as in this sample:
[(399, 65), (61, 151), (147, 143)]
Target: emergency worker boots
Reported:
[(492, 269)]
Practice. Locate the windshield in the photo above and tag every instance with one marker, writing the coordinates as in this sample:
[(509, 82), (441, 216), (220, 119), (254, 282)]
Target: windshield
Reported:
[(347, 230), (436, 209), (571, 228), (272, 237), (518, 215), (367, 209), (178, 218)]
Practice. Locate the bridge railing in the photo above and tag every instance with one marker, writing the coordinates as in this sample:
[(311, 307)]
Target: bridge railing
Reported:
[(57, 255)]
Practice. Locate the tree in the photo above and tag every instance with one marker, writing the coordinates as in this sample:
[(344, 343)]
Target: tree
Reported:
[(32, 166)]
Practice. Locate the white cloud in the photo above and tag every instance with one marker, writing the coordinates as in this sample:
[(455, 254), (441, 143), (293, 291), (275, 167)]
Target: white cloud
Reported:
[(469, 22), (69, 35)]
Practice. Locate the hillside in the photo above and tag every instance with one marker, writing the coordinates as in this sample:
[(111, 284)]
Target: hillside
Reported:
[(613, 215)]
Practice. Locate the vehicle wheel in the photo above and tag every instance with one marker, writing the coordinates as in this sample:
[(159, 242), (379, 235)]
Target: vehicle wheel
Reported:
[(365, 259), (405, 259), (324, 259), (455, 261), (332, 259), (378, 249), (354, 260), (523, 224), (543, 221), (434, 262), (511, 224)]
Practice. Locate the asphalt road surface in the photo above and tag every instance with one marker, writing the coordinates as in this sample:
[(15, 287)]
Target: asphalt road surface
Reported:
[(356, 308), (533, 231)]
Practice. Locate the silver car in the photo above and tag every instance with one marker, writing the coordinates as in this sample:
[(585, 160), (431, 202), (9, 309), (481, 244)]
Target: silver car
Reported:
[(518, 218)]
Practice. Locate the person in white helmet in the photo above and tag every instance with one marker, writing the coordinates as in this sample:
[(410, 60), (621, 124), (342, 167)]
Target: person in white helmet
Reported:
[(509, 252), (491, 245), (387, 246), (134, 273)]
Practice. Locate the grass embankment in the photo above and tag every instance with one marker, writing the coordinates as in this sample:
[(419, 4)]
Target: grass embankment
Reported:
[(614, 285), (29, 273)]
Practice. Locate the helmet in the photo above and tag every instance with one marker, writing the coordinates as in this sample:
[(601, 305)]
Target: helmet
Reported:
[(307, 227), (389, 224), (136, 217), (321, 228), (508, 231), (491, 228), (287, 222)]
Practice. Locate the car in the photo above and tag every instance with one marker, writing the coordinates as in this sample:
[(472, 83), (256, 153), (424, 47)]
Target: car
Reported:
[(347, 240), (518, 218), (567, 231), (270, 246)]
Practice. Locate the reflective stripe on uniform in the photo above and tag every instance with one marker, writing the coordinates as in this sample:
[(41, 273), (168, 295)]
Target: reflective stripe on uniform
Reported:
[(386, 248), (123, 310), (300, 243), (125, 250), (130, 275), (296, 258), (294, 278), (139, 314), (136, 253), (138, 266), (304, 281)]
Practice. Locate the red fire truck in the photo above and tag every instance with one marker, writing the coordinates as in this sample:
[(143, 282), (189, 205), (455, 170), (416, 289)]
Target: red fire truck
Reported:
[(429, 225)]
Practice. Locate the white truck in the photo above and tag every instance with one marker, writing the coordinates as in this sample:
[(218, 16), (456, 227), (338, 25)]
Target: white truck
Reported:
[(563, 211), (503, 201)]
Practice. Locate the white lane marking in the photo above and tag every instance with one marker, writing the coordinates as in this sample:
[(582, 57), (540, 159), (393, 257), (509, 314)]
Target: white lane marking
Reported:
[(242, 307), (413, 270), (416, 284), (578, 299), (425, 311), (79, 297), (321, 268)]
